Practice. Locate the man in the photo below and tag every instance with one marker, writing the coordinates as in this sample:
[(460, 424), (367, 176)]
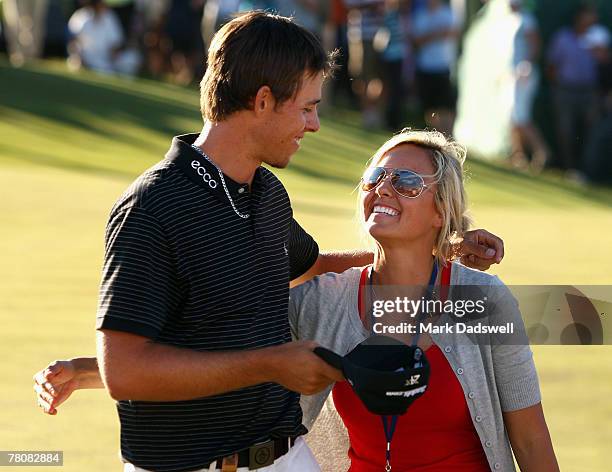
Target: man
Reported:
[(435, 32), (96, 38), (193, 336), (524, 131), (572, 69)]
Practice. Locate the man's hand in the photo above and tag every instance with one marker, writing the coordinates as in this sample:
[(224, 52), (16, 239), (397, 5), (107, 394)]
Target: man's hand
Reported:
[(479, 249), (296, 367), (54, 384)]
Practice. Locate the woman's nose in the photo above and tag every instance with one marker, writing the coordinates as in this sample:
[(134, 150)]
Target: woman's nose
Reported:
[(384, 189)]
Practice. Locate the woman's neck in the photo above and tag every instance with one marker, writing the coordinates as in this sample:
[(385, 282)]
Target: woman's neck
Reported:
[(406, 265)]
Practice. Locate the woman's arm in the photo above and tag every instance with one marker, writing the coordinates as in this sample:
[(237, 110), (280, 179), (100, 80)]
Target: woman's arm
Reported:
[(56, 382), (530, 439)]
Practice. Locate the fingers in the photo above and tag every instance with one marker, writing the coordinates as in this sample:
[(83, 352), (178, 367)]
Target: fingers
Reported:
[(479, 249), (335, 374), (492, 241), (477, 262), (52, 370), (45, 400)]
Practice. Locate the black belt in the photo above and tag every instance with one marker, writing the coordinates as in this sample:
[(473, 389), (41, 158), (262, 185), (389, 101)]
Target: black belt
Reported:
[(262, 454)]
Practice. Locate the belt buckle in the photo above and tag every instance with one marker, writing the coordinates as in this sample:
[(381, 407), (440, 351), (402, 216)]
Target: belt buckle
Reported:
[(261, 455)]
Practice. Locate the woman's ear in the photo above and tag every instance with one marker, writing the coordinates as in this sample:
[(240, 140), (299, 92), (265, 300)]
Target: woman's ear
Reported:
[(438, 220)]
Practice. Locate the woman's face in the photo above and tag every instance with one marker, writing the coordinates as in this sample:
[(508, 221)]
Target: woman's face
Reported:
[(390, 218)]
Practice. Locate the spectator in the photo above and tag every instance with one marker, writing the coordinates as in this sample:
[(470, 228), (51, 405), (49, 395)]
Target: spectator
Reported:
[(342, 80), (526, 49), (96, 41), (56, 30), (183, 27), (125, 11), (435, 33), (573, 72), (364, 20), (598, 147), (24, 22), (151, 14), (391, 41), (217, 13), (307, 13)]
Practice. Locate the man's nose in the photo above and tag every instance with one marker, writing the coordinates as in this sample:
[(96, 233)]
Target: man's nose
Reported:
[(312, 124)]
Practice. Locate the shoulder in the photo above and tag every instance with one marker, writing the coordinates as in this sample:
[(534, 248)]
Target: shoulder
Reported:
[(327, 286), (462, 275), (151, 190), (271, 180), (78, 18)]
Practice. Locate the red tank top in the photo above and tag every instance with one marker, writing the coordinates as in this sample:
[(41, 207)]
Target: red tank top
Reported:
[(436, 433)]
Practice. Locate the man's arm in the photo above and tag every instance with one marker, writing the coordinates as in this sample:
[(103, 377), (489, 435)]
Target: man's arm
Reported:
[(136, 368), (478, 249), (337, 261)]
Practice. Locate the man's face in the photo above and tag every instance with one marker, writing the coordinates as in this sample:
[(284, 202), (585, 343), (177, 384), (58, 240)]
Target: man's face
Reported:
[(286, 125)]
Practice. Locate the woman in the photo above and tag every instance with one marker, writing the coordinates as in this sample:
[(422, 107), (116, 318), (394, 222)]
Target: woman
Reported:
[(412, 202), (482, 401)]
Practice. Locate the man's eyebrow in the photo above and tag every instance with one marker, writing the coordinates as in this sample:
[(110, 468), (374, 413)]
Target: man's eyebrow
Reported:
[(314, 102)]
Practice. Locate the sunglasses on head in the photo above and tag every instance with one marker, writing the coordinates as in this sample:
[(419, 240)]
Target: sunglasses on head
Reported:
[(406, 183)]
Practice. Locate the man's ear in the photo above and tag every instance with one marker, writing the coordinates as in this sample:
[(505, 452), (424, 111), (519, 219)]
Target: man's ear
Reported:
[(264, 100)]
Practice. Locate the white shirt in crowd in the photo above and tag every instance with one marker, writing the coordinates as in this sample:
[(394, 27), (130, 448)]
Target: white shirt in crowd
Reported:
[(97, 37)]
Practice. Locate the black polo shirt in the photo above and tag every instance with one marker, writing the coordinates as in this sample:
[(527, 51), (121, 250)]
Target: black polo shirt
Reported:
[(182, 268)]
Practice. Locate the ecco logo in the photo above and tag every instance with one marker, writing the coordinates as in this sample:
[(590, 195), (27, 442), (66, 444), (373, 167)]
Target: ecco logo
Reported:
[(206, 177)]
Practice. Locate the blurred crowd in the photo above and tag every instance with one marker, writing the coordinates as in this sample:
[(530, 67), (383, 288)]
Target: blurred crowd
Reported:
[(395, 55)]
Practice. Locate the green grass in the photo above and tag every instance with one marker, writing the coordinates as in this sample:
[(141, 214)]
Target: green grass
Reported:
[(70, 144)]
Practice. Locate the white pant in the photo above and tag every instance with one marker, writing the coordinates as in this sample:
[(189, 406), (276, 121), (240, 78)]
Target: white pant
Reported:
[(299, 458)]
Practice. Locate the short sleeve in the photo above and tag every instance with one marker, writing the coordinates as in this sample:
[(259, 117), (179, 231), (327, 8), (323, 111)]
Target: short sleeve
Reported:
[(139, 288), (75, 23), (303, 250), (515, 373)]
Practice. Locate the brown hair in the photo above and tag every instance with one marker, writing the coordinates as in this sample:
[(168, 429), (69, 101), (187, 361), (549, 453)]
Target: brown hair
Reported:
[(253, 50)]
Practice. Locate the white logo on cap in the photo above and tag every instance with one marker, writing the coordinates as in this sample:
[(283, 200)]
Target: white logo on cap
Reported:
[(206, 177), (413, 380), (409, 393)]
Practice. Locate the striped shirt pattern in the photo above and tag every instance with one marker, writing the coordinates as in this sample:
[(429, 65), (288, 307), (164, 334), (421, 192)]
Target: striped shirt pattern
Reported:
[(183, 269)]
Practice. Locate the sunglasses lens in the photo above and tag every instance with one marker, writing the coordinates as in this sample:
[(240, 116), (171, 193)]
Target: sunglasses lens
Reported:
[(371, 178), (407, 183)]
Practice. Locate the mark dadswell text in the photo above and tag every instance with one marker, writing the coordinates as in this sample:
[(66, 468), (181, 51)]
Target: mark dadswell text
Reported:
[(449, 328)]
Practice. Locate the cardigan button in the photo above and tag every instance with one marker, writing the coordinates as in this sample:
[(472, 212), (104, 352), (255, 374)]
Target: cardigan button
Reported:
[(471, 395), (488, 444), (478, 419), (497, 466), (460, 371), (448, 349)]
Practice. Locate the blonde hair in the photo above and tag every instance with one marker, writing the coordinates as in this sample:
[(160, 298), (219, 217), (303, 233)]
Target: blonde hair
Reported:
[(447, 157)]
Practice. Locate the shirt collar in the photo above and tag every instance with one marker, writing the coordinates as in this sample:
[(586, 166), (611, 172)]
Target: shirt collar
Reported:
[(204, 174)]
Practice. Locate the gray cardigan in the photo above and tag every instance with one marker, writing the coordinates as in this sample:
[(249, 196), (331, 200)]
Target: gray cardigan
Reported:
[(495, 378)]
